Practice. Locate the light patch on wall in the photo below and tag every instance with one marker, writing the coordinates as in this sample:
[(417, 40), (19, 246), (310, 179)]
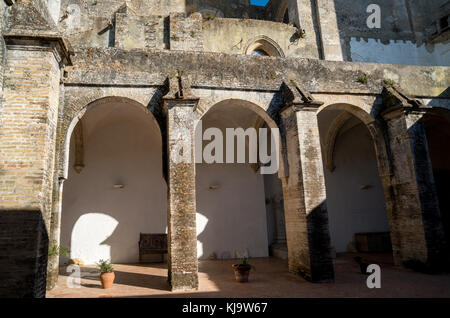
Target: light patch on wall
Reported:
[(202, 221), (88, 235), (398, 52)]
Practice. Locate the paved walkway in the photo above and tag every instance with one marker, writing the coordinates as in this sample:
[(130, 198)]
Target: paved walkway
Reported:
[(269, 279)]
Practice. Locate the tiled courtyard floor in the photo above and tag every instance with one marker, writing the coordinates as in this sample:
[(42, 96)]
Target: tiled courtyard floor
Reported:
[(269, 279)]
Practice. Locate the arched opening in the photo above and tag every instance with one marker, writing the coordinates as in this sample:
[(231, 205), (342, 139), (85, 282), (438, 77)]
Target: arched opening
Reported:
[(437, 125), (358, 218), (239, 210), (264, 46), (115, 188)]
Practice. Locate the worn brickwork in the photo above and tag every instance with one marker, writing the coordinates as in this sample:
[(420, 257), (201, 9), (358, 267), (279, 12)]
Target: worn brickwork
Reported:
[(29, 118), (24, 248)]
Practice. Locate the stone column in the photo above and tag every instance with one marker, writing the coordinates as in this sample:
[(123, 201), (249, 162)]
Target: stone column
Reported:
[(304, 16), (329, 30), (182, 237), (28, 122), (305, 208), (418, 227)]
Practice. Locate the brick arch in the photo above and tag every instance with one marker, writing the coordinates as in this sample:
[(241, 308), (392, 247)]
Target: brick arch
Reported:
[(363, 113), (73, 112), (266, 44), (263, 117), (71, 120)]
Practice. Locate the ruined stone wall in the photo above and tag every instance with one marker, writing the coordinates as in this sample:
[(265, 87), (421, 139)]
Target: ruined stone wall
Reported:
[(225, 9), (236, 36), (406, 29)]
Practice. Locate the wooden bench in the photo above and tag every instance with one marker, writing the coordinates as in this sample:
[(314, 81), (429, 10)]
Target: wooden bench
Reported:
[(375, 242), (152, 244)]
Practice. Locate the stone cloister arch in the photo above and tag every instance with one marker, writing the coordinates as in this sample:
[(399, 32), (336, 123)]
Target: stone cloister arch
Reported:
[(240, 187), (69, 122), (354, 114)]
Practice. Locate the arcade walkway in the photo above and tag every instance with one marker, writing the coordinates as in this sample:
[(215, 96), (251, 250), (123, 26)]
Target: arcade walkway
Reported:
[(269, 279)]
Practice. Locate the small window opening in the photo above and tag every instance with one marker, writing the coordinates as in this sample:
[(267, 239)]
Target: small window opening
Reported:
[(260, 52), (286, 17)]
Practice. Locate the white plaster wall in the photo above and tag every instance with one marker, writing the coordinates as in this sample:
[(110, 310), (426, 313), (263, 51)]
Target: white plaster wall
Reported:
[(122, 146), (232, 218), (351, 209), (399, 52)]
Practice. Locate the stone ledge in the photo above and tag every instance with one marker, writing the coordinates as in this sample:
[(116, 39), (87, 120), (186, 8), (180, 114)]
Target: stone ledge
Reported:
[(113, 66)]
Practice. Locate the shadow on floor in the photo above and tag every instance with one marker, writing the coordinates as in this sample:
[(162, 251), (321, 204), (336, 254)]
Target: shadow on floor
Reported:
[(137, 277)]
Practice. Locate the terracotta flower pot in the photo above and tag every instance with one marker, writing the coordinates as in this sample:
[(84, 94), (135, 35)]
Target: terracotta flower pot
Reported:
[(241, 272), (107, 280)]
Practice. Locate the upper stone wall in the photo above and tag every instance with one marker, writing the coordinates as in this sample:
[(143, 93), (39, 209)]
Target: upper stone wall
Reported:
[(405, 35), (225, 9), (319, 29)]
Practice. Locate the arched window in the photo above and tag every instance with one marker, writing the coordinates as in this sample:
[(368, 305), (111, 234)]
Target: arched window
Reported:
[(259, 52), (264, 46)]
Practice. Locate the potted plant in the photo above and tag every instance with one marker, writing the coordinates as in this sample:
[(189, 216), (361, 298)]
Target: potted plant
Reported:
[(106, 273), (242, 270), (58, 250)]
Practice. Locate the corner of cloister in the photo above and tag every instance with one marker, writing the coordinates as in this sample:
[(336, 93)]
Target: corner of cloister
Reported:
[(98, 102)]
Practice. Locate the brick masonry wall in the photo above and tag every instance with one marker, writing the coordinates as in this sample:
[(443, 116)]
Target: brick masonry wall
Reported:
[(23, 254), (27, 161), (27, 138)]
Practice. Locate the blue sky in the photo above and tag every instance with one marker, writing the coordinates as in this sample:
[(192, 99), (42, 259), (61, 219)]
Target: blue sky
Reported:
[(259, 2)]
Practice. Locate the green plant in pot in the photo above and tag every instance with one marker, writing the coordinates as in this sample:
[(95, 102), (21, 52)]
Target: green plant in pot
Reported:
[(58, 250), (106, 273), (242, 270)]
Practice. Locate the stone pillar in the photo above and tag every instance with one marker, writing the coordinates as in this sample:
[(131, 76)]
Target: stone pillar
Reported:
[(304, 16), (305, 208), (182, 235), (418, 227), (329, 30), (28, 119), (55, 234)]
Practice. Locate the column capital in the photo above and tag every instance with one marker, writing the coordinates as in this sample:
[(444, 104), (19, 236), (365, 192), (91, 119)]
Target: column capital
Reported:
[(28, 27), (397, 103), (179, 93), (297, 98)]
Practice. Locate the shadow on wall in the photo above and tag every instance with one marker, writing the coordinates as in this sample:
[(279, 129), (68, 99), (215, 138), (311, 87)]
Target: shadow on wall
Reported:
[(355, 194), (231, 218)]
